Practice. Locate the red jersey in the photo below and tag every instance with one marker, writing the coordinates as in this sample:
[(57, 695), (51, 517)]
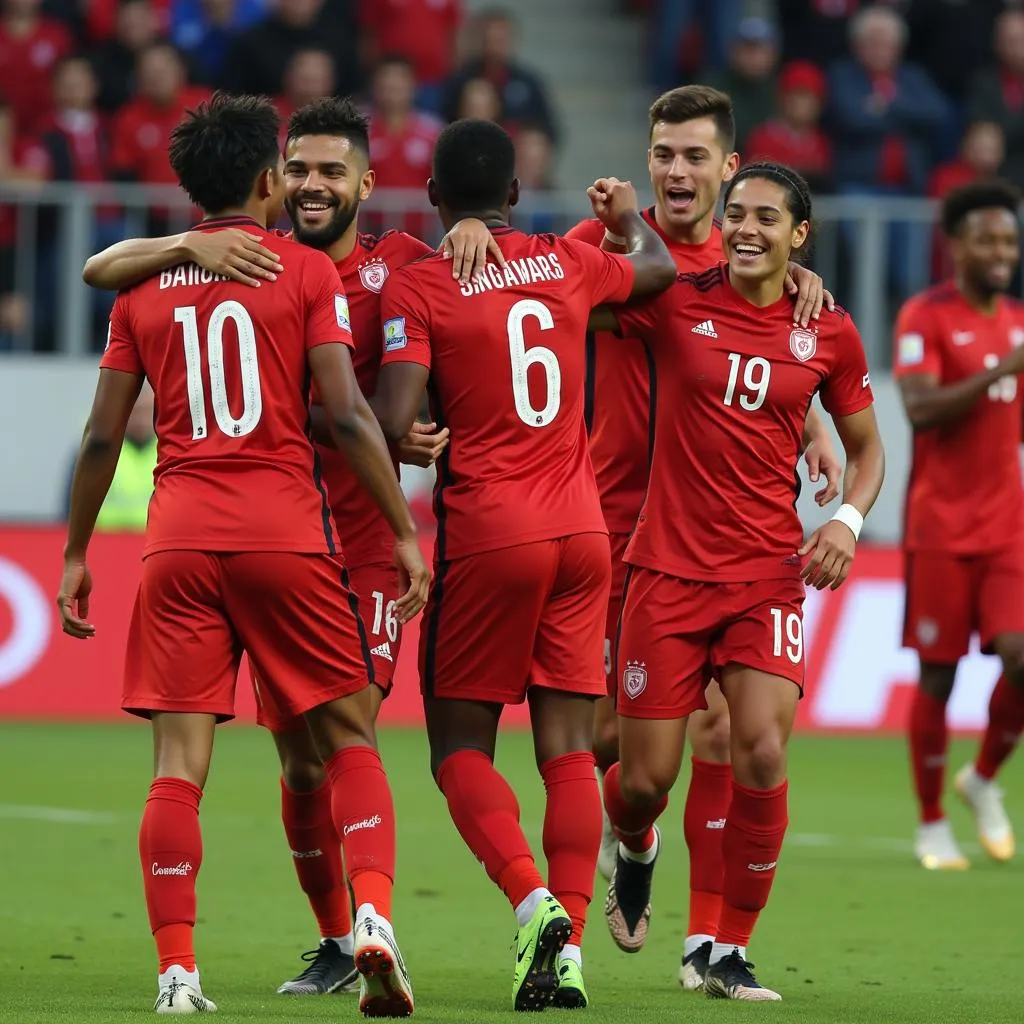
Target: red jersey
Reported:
[(733, 384), (236, 470), (965, 495), (507, 365), (366, 537), (619, 394), (28, 63), (423, 31)]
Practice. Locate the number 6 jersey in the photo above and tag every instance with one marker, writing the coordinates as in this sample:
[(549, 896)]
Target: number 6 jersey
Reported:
[(732, 384), (235, 467), (507, 357)]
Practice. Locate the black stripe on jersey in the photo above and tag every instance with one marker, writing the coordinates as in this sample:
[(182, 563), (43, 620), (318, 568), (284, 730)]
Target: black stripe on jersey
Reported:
[(432, 626), (364, 643), (652, 406), (370, 242), (618, 634), (318, 476), (589, 381), (216, 223), (704, 281), (908, 575)]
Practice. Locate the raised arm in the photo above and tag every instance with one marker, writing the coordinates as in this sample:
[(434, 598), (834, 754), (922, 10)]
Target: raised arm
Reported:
[(232, 252)]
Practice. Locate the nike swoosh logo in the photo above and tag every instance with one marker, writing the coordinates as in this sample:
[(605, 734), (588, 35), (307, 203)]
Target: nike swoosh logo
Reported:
[(519, 958)]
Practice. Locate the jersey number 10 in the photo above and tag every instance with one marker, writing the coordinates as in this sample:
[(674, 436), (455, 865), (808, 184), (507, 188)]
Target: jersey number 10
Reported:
[(252, 395), (1004, 389)]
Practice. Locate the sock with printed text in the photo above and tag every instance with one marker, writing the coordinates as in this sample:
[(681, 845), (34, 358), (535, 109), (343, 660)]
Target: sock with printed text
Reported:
[(929, 739), (171, 852), (707, 806), (364, 817), (1005, 723), (572, 833), (751, 844), (634, 825), (316, 853), (486, 813)]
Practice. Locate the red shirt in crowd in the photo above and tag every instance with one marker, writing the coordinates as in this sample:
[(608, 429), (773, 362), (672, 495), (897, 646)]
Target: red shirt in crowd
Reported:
[(423, 31), (27, 63)]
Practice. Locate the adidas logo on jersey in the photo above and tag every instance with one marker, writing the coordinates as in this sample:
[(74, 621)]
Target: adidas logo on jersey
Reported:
[(707, 328), (383, 651)]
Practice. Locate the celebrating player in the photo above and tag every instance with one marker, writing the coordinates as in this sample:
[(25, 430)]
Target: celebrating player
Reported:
[(327, 176), (691, 154), (958, 355), (241, 547), (718, 591), (522, 556)]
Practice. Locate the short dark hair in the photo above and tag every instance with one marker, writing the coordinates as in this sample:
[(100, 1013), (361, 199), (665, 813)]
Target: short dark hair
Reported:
[(979, 195), (474, 165), (690, 102), (798, 192), (340, 118), (219, 148)]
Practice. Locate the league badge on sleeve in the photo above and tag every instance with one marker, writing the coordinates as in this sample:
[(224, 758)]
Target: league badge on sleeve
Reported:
[(634, 679), (803, 344), (341, 312), (394, 334), (910, 349), (373, 274)]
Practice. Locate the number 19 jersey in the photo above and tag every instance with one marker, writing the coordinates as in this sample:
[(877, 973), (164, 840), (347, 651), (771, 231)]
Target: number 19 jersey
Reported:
[(236, 470), (506, 355)]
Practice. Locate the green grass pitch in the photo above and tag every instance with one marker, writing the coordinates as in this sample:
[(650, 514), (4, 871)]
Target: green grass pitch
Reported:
[(856, 932)]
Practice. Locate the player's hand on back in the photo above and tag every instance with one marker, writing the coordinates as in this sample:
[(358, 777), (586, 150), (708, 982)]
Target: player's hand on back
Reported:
[(414, 578), (1013, 362), (809, 294), (423, 445), (468, 245), (234, 253), (73, 600), (831, 548), (611, 199)]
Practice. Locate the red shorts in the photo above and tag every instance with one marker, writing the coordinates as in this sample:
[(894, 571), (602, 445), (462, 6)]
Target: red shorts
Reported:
[(949, 597), (376, 587), (676, 634), (502, 621), (618, 542), (196, 612)]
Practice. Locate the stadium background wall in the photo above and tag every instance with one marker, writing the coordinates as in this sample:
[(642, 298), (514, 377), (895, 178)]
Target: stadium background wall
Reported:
[(858, 678)]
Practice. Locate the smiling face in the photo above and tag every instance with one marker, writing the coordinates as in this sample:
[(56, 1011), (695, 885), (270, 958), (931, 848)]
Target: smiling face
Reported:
[(759, 231), (326, 178), (688, 164), (986, 250)]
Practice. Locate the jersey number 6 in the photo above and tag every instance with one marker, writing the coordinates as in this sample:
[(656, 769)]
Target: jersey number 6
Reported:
[(523, 358)]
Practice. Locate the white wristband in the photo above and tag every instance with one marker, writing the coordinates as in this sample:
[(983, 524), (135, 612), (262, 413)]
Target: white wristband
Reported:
[(614, 239), (849, 516)]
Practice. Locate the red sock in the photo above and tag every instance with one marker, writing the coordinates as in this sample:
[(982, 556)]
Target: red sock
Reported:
[(171, 851), (751, 846), (633, 825), (707, 806), (364, 817), (572, 833), (316, 853), (486, 813), (929, 739), (1005, 722)]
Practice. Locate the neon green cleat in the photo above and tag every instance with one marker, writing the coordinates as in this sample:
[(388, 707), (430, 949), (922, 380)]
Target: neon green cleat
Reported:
[(571, 993), (537, 946)]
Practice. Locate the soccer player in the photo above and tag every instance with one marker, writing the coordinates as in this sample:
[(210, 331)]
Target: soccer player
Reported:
[(691, 155), (327, 176), (241, 549), (958, 357), (522, 558), (717, 591)]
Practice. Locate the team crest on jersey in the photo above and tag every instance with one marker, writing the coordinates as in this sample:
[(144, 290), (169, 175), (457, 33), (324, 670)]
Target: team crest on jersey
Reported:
[(373, 274), (634, 679), (803, 344)]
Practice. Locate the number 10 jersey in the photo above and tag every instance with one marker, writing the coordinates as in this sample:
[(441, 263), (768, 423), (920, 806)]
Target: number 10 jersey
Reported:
[(236, 470), (507, 355)]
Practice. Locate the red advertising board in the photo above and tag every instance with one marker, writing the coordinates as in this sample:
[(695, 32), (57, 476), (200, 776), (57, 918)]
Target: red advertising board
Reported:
[(858, 677)]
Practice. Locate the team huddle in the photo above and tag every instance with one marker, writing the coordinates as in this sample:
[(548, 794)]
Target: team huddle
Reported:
[(617, 417)]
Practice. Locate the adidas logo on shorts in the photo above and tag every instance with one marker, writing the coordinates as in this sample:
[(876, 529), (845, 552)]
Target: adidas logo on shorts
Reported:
[(383, 651)]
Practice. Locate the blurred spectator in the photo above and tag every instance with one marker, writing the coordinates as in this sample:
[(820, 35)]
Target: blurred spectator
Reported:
[(534, 171), (673, 20), (422, 31), (750, 79), (30, 46), (478, 99), (998, 94), (205, 29), (523, 95), (126, 506), (308, 77), (816, 30), (401, 138), (100, 17), (795, 137), (257, 59), (115, 60)]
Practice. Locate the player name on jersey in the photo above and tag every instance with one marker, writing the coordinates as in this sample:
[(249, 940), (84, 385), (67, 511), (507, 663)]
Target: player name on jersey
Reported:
[(188, 274), (520, 272)]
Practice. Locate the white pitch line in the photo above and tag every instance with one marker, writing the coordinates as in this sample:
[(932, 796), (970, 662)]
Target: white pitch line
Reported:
[(56, 815)]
